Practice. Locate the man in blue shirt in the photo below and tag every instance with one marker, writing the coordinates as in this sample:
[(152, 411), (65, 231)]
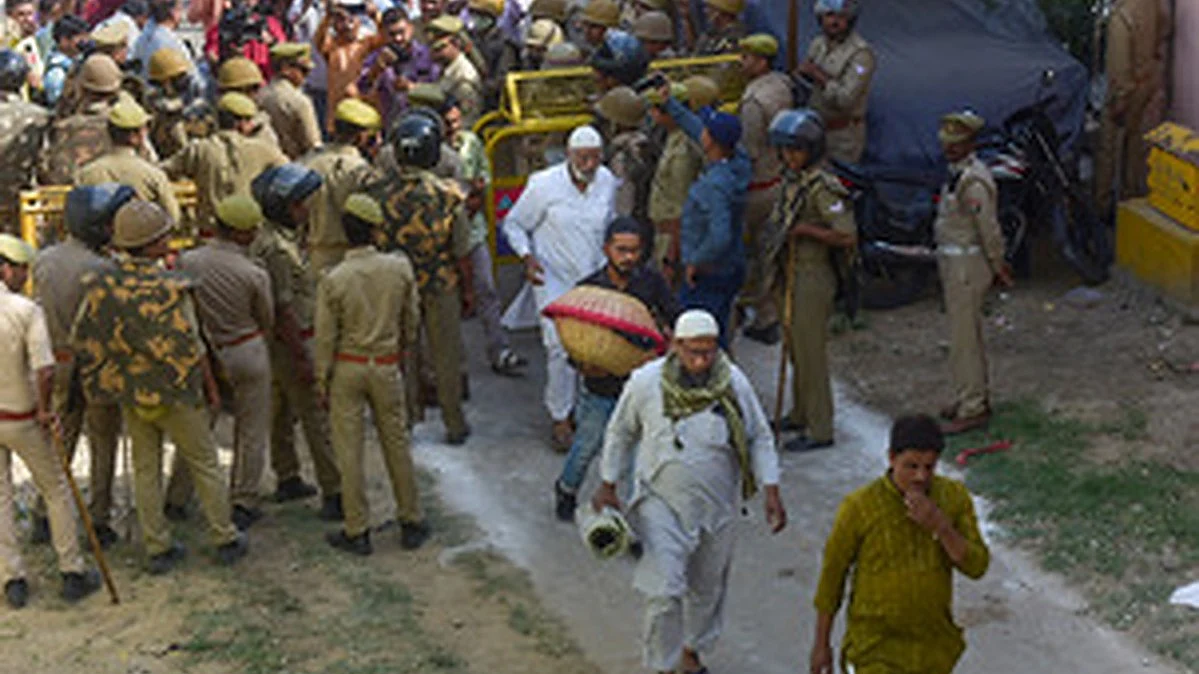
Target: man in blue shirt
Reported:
[(70, 33), (712, 252), (159, 33)]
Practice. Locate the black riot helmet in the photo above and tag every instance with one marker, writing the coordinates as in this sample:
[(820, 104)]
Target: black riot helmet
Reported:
[(14, 70), (89, 211), (416, 139), (800, 129), (621, 57), (277, 187)]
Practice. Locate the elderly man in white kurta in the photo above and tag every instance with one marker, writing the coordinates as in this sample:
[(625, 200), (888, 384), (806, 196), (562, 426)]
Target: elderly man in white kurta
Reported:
[(703, 445), (557, 227)]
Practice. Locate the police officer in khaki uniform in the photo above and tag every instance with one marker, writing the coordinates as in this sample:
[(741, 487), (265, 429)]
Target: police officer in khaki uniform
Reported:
[(23, 129), (818, 219), (767, 94), (290, 110), (1135, 68), (57, 274), (79, 138), (630, 155), (128, 127), (224, 164), (840, 65), (725, 29), (142, 348), (367, 318), (425, 218), (598, 17), (241, 75), (970, 256), (237, 314), (283, 193), (459, 77), (343, 165), (543, 34), (681, 162), (26, 419), (656, 32), (170, 74)]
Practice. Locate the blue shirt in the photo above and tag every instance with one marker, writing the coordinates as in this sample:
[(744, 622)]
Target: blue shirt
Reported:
[(58, 65), (153, 38), (713, 215)]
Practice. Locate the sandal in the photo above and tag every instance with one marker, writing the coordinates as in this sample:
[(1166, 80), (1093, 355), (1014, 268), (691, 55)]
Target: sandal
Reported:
[(508, 364)]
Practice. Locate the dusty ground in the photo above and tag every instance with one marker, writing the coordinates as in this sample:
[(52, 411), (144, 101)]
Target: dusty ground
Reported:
[(295, 605)]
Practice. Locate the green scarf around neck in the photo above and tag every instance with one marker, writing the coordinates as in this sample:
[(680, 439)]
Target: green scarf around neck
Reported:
[(679, 401)]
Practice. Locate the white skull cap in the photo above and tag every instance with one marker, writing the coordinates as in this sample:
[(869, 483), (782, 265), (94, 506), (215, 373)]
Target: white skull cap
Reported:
[(584, 137), (695, 323)]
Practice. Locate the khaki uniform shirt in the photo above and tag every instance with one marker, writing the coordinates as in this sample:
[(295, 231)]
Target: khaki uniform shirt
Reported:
[(816, 198), (123, 165), (23, 129), (764, 98), (57, 283), (966, 214), (681, 162), (343, 171), (367, 305), (292, 116), (277, 251), (24, 349), (851, 66), (1133, 61), (462, 79), (222, 165), (233, 293)]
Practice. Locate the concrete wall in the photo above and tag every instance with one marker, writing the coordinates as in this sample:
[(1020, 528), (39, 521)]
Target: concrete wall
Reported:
[(1186, 56)]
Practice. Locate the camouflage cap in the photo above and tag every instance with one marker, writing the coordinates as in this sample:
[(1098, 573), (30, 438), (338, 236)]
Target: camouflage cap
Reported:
[(364, 208), (548, 9), (138, 223), (444, 25), (237, 104), (654, 26), (960, 126), (426, 94), (112, 35), (237, 73), (702, 91), (239, 212), (100, 74), (15, 250), (622, 106), (358, 113), (760, 44), (726, 6), (604, 13), (127, 114), (544, 33), (167, 63), (292, 52)]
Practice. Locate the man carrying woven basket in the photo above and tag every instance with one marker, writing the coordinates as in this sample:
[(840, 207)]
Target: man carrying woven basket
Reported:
[(624, 272), (703, 445)]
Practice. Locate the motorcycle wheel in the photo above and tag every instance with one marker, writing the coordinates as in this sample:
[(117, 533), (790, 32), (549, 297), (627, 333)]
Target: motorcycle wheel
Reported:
[(1014, 224), (1086, 241), (892, 286)]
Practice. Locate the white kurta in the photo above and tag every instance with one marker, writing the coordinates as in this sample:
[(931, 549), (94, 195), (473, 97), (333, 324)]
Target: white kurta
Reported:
[(563, 229), (688, 489)]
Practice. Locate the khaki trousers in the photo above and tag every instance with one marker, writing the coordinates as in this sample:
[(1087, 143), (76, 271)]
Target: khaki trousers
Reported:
[(848, 144), (291, 398), (30, 442), (102, 422), (760, 281), (966, 280), (248, 368), (1123, 144), (811, 389), (441, 312), (353, 387), (187, 427)]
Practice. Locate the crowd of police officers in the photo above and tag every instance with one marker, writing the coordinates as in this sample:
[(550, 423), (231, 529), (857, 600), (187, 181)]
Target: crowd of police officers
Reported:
[(346, 243)]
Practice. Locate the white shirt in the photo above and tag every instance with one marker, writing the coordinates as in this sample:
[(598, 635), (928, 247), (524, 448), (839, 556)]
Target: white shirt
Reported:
[(691, 464), (562, 227), (24, 349)]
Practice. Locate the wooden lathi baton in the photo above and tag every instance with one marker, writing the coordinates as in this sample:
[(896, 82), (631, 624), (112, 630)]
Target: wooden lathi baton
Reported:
[(85, 516)]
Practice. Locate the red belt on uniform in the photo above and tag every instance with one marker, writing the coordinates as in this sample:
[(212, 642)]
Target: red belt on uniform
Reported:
[(388, 359), (307, 334), (241, 340), (63, 356), (764, 184), (5, 415), (843, 123)]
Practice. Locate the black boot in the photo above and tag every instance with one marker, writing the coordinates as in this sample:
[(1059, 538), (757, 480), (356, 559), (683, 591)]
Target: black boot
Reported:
[(565, 502), (16, 593), (331, 509), (359, 545), (107, 536), (165, 561), (76, 586), (175, 513), (413, 535), (293, 489), (39, 534), (229, 553), (244, 518)]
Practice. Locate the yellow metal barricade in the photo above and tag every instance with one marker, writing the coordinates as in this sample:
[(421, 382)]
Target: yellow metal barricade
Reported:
[(41, 214)]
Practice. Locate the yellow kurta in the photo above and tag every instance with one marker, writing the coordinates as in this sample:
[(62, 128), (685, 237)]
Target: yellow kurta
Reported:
[(901, 597)]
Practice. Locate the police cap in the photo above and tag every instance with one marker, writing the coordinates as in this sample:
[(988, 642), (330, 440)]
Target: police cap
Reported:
[(238, 73), (358, 113), (364, 208), (239, 105), (15, 250), (239, 212), (127, 114), (138, 223), (760, 44)]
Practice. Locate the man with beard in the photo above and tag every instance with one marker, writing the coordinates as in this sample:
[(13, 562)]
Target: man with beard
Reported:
[(840, 65), (556, 227), (623, 246)]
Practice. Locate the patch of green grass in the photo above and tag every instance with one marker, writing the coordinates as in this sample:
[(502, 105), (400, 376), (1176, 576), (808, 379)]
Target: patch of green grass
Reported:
[(1127, 532)]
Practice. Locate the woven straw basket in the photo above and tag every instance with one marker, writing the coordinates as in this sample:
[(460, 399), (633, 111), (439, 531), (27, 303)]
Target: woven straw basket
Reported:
[(605, 328)]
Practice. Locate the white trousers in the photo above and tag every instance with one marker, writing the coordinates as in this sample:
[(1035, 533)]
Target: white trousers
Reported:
[(561, 380), (684, 578)]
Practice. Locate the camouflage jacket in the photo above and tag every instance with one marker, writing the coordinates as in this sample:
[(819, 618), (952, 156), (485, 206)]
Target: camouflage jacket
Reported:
[(74, 141), (425, 219), (633, 158), (136, 337), (22, 135), (167, 130), (724, 41)]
